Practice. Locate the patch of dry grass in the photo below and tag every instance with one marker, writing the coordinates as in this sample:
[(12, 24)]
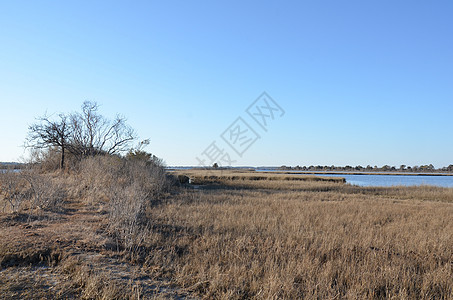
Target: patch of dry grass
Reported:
[(226, 176), (304, 239), (85, 248), (118, 235)]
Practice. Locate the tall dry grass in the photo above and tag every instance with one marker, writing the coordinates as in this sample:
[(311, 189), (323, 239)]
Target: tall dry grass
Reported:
[(235, 236), (125, 189), (55, 253), (121, 188), (306, 240), (29, 190)]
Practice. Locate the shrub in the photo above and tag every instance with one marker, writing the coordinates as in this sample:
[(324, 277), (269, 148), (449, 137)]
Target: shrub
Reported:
[(12, 186), (126, 214), (127, 187), (48, 159), (46, 194), (30, 189)]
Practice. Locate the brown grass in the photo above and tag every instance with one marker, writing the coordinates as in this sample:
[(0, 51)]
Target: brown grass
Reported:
[(225, 176), (229, 236), (305, 239), (85, 248)]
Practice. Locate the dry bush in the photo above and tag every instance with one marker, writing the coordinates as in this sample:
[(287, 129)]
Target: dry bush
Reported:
[(30, 189), (96, 176), (47, 193), (126, 215), (127, 187), (139, 187), (12, 190), (124, 187), (48, 160), (99, 174)]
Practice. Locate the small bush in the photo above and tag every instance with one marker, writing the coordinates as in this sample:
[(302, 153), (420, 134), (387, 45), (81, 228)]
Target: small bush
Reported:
[(48, 160), (30, 189), (126, 214), (12, 190), (46, 194), (127, 187)]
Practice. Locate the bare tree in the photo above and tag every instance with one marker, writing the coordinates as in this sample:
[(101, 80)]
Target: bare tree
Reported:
[(93, 134), (82, 134), (47, 133)]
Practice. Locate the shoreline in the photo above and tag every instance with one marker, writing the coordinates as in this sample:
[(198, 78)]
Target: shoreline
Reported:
[(353, 173)]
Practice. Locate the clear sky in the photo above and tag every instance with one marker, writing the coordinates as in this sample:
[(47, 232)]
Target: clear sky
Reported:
[(360, 82)]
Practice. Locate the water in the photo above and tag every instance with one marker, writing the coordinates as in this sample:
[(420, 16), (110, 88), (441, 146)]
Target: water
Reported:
[(391, 180), (7, 170)]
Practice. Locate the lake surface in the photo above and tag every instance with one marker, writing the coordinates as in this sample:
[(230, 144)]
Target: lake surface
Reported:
[(388, 180)]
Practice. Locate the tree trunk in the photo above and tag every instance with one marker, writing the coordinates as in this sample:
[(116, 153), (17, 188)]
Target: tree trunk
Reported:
[(62, 158)]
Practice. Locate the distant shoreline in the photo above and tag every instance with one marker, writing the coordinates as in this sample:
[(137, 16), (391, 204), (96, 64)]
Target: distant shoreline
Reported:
[(300, 172), (353, 173)]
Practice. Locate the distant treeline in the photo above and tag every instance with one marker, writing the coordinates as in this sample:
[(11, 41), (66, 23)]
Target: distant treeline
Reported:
[(386, 168)]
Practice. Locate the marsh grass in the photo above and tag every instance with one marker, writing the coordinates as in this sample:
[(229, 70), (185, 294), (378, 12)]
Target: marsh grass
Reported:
[(122, 230), (280, 239), (226, 176), (103, 202)]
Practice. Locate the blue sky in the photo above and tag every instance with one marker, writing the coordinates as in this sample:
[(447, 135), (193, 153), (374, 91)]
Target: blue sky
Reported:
[(361, 82)]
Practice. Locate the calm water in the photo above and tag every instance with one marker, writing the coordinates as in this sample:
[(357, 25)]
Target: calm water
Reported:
[(389, 180), (5, 170)]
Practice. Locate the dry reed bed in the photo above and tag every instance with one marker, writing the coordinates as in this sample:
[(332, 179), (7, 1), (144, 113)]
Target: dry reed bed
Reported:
[(314, 240), (232, 239), (79, 243), (225, 176)]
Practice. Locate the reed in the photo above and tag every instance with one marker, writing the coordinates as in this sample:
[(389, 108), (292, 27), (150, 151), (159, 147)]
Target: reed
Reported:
[(124, 231)]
